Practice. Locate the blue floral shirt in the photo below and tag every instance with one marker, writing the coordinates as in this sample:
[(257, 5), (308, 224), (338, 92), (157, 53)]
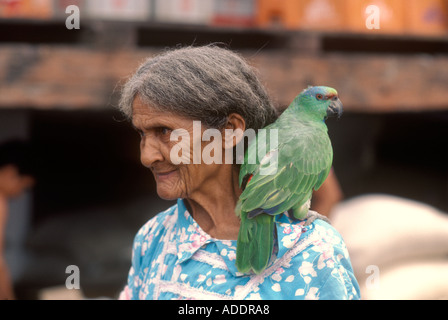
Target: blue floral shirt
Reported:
[(173, 258)]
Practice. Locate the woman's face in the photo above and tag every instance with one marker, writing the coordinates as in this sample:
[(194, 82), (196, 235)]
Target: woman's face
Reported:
[(173, 180)]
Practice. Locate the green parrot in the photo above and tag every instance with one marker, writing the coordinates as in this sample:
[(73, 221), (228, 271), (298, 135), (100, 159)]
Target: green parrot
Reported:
[(284, 175)]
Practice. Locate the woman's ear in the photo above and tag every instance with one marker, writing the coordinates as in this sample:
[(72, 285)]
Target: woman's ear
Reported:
[(234, 130)]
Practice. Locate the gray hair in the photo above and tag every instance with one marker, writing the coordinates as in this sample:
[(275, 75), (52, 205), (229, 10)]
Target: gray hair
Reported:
[(202, 83)]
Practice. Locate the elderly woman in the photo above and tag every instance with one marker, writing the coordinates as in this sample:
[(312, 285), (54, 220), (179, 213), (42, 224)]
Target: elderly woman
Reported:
[(189, 250)]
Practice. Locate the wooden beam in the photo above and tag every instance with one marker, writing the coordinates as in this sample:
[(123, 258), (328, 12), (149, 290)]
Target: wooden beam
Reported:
[(366, 83), (46, 77)]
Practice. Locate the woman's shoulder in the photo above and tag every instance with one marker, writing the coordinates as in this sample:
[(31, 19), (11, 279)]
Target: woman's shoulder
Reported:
[(318, 253), (305, 234), (318, 244), (320, 237)]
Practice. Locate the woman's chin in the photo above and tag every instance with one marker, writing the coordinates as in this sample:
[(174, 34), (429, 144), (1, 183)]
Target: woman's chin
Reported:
[(168, 185), (168, 193), (166, 196)]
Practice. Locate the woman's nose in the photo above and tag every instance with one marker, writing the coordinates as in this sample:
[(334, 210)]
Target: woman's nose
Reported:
[(149, 152)]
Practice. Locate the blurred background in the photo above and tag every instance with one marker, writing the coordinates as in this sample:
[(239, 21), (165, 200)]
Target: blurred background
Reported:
[(59, 86)]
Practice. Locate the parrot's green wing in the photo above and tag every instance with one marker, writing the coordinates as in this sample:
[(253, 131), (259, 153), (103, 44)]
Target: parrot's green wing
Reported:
[(304, 158)]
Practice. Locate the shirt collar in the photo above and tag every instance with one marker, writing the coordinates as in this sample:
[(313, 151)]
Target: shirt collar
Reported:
[(190, 238)]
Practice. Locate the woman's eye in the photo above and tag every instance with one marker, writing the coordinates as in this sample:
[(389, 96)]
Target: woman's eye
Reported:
[(164, 130)]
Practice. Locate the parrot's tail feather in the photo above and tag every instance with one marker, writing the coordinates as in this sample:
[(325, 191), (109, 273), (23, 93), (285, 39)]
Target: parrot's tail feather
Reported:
[(255, 243), (243, 244), (238, 208)]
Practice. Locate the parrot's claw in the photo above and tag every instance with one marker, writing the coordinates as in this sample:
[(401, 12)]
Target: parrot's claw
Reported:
[(313, 215)]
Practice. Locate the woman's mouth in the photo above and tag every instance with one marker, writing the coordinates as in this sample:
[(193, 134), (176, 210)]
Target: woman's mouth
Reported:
[(164, 175)]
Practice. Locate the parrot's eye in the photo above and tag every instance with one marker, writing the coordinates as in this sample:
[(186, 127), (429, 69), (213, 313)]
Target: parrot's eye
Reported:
[(319, 96)]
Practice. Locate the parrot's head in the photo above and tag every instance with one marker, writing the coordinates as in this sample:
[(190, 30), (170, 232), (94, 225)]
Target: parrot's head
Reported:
[(320, 102)]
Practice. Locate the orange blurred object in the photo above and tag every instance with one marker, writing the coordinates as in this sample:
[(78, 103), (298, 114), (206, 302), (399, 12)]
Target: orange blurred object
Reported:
[(390, 15), (35, 9), (325, 15), (427, 17), (281, 13), (322, 15)]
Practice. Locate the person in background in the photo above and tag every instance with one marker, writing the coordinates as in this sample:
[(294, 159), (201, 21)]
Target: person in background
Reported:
[(328, 195), (15, 178)]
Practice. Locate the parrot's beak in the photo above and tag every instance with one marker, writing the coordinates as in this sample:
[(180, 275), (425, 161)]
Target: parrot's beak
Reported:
[(335, 107)]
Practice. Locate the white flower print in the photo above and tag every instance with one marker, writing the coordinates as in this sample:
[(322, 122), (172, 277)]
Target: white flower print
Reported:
[(276, 277), (276, 287), (313, 294), (299, 292), (220, 279), (307, 268)]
